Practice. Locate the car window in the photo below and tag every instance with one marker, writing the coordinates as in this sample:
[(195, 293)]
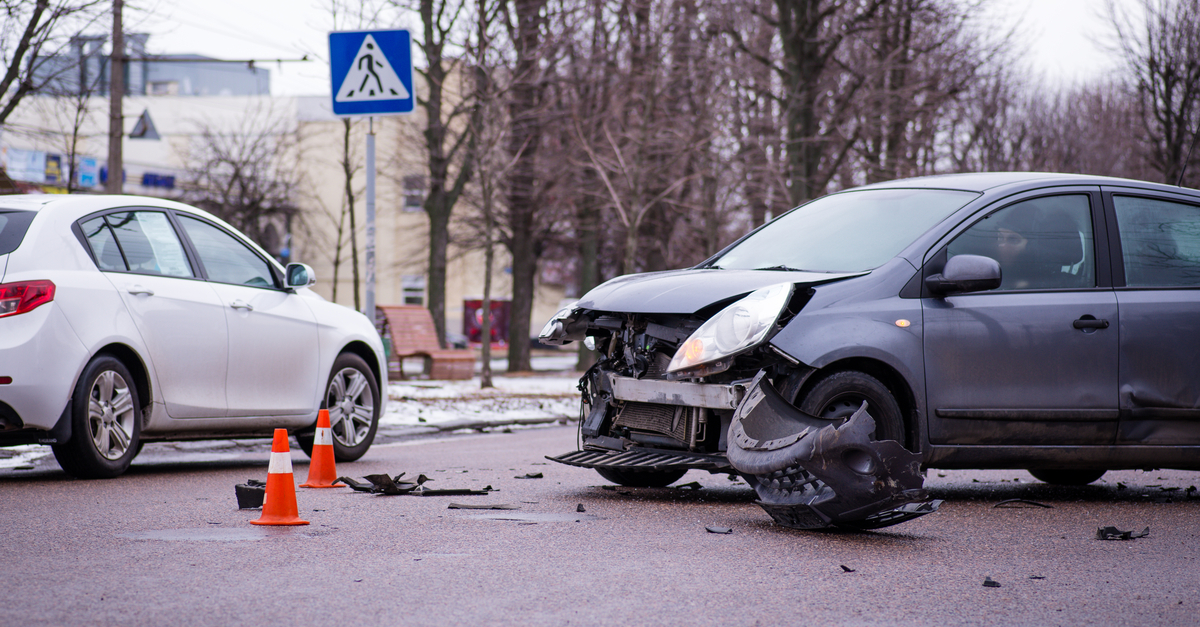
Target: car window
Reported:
[(1160, 242), (13, 225), (104, 245), (1042, 243), (848, 232), (226, 259), (147, 242)]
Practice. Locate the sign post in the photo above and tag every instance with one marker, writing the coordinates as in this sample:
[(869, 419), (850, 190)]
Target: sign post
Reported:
[(371, 74)]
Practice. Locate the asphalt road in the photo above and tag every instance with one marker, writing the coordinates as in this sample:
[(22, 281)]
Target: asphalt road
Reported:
[(166, 545)]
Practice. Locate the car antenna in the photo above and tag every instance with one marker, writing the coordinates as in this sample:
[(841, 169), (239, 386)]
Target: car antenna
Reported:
[(1182, 170)]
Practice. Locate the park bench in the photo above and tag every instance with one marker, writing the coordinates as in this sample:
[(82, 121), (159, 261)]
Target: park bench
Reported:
[(412, 334)]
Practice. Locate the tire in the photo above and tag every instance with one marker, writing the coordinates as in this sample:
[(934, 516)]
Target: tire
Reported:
[(838, 395), (1059, 476), (641, 478), (106, 422), (352, 398)]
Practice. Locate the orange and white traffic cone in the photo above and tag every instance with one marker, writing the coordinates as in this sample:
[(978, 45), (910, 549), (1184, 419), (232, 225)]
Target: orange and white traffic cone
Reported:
[(279, 505), (322, 472)]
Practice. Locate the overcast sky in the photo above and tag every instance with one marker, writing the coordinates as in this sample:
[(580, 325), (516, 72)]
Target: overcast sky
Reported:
[(1061, 35)]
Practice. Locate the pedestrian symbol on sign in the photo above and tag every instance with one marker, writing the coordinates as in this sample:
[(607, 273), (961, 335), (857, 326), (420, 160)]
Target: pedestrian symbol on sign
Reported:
[(371, 77)]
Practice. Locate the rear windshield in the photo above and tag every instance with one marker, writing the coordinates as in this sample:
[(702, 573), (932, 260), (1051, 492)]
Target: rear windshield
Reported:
[(849, 232), (13, 225)]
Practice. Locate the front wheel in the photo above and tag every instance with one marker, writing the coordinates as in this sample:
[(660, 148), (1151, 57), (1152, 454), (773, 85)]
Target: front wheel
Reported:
[(352, 398), (837, 396), (106, 422), (641, 478)]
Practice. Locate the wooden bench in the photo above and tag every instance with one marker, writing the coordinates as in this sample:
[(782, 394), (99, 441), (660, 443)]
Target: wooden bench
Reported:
[(412, 333)]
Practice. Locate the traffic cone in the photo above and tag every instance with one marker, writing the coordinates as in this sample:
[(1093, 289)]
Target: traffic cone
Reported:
[(322, 472), (279, 505)]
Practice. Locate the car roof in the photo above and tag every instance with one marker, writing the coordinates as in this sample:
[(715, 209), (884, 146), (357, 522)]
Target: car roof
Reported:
[(988, 181), (84, 203)]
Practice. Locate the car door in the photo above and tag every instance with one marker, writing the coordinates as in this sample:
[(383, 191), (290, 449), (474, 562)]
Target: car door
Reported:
[(1158, 239), (273, 352), (1035, 360), (179, 316)]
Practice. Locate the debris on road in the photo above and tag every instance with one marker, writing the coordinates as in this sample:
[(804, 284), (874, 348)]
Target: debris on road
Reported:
[(693, 486), (394, 486), (482, 506), (846, 569), (1037, 576), (1017, 503), (580, 508), (718, 529), (988, 582), (1112, 533), (530, 475), (250, 494), (810, 474)]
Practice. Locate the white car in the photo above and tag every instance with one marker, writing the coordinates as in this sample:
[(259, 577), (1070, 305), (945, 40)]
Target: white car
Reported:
[(125, 320)]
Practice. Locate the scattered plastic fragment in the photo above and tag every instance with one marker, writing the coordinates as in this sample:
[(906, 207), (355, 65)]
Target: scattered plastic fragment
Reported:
[(718, 529), (695, 485), (529, 475), (1013, 503), (846, 568), (580, 508), (393, 486), (250, 494), (988, 582), (1037, 576), (1112, 533), (482, 506)]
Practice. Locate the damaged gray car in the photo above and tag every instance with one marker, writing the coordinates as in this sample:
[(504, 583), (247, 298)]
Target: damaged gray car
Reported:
[(1004, 320)]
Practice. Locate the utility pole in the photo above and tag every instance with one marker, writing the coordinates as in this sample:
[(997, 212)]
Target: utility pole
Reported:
[(116, 119)]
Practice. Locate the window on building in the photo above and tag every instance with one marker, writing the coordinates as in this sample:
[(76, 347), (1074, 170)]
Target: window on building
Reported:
[(414, 289), (414, 192)]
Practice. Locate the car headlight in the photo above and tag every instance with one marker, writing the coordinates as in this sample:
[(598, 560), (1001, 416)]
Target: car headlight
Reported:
[(736, 328), (555, 331)]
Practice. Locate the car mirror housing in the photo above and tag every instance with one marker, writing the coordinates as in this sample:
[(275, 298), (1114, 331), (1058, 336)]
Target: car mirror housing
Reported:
[(300, 275), (966, 273)]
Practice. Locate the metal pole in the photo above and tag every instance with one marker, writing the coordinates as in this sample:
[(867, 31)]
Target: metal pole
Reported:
[(370, 312), (116, 118)]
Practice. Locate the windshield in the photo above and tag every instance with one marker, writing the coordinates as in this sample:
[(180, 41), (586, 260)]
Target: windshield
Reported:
[(12, 229), (849, 232)]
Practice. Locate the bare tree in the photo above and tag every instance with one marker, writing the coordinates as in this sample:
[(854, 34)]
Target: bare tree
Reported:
[(1163, 61), (32, 41), (247, 174)]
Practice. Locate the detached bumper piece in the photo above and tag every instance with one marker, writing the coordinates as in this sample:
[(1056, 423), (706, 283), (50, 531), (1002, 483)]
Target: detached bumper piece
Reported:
[(643, 459), (810, 474)]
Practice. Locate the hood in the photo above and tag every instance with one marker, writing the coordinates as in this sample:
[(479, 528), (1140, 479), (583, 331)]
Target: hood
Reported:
[(688, 291)]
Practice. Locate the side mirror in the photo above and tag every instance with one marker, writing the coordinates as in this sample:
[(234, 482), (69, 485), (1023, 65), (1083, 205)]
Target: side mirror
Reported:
[(966, 273), (300, 275)]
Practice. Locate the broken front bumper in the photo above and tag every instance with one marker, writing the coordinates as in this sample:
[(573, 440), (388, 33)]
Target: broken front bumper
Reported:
[(810, 474)]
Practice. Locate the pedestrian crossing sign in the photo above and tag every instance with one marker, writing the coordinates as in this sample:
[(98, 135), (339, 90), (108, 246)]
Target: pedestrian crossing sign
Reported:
[(371, 72)]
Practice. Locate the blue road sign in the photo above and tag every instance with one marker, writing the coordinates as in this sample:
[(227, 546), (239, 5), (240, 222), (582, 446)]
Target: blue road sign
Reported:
[(371, 72)]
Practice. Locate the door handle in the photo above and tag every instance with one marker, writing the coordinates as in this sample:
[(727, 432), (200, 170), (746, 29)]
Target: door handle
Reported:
[(1090, 323), (137, 289), (241, 304)]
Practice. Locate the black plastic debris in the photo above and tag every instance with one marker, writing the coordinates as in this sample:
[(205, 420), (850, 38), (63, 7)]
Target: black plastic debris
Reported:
[(810, 473), (718, 529), (423, 491), (1112, 533), (529, 475), (846, 568), (988, 582), (250, 494), (693, 486), (482, 506), (394, 486), (580, 508), (1037, 576), (1019, 503)]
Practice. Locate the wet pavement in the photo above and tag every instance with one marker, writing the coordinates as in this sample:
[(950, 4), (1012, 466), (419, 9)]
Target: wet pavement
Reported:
[(165, 544)]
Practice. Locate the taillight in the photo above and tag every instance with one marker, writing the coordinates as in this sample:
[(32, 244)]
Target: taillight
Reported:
[(23, 296)]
